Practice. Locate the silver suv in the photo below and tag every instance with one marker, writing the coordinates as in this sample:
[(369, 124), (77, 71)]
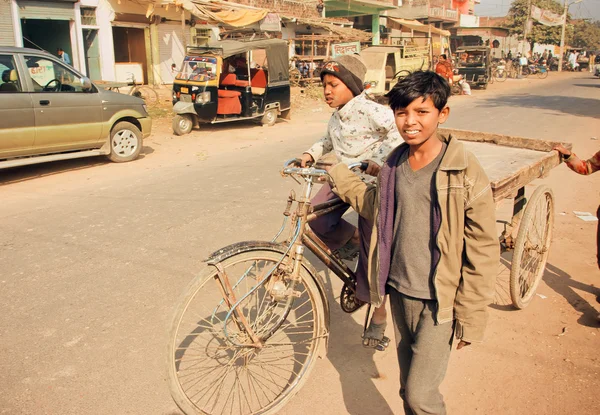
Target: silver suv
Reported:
[(49, 111)]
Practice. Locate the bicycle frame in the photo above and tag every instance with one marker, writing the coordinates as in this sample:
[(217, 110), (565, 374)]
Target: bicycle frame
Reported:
[(300, 237)]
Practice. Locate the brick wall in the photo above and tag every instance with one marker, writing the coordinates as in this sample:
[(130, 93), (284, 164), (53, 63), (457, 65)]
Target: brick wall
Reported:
[(296, 8)]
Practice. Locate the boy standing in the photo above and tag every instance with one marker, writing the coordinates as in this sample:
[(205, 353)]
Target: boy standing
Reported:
[(360, 129), (435, 248)]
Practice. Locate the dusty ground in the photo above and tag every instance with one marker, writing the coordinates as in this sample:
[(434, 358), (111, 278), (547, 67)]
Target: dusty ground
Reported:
[(95, 255)]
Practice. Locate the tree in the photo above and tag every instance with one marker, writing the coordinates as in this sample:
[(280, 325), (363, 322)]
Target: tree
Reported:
[(586, 35), (517, 15)]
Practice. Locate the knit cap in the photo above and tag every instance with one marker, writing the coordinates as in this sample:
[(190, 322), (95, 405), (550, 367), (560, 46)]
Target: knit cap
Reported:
[(350, 69)]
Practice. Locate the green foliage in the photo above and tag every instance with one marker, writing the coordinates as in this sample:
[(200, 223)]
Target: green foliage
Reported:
[(587, 35), (517, 15)]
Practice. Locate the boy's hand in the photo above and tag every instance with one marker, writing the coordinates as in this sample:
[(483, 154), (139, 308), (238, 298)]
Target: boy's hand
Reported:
[(373, 168), (562, 150), (306, 158), (462, 344)]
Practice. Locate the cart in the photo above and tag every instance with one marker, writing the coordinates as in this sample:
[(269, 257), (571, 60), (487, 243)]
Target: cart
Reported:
[(511, 163)]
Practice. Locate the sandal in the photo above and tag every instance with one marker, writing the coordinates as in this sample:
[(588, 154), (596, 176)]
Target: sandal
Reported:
[(374, 337)]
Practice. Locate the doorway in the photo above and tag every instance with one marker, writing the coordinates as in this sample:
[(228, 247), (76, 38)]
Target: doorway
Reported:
[(91, 49), (48, 35), (130, 53)]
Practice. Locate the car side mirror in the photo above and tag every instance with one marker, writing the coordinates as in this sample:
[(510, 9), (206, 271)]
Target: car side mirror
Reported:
[(86, 84)]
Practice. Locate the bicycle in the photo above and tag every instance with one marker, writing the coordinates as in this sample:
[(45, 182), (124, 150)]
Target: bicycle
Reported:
[(145, 92), (249, 328)]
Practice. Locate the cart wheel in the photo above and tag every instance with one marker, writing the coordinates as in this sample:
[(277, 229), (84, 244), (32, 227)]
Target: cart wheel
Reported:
[(532, 246)]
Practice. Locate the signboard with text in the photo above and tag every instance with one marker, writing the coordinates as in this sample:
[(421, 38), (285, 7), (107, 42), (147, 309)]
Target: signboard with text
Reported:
[(339, 49)]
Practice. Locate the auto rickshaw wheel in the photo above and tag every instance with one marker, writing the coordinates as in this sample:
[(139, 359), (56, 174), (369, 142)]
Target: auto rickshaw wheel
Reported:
[(182, 124), (269, 117)]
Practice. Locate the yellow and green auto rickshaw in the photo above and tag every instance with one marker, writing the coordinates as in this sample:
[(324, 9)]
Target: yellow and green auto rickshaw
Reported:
[(232, 80)]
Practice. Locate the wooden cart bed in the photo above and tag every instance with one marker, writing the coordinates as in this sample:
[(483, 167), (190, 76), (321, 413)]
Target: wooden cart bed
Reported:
[(510, 162)]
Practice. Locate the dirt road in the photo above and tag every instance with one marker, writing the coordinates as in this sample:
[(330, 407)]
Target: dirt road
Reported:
[(94, 256)]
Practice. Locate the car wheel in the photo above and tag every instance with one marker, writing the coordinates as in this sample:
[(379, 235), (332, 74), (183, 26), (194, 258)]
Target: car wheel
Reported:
[(182, 124), (269, 117), (125, 142)]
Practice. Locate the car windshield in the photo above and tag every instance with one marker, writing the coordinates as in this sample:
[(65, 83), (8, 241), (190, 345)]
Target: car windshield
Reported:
[(198, 68), (470, 59)]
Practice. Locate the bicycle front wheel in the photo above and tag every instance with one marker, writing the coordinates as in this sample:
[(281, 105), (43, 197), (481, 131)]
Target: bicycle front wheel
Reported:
[(147, 94), (211, 372), (500, 75), (542, 74)]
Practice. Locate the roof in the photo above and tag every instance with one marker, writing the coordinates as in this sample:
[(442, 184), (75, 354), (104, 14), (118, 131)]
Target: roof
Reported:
[(418, 26), (379, 49), (485, 21), (232, 47), (477, 48), (14, 49)]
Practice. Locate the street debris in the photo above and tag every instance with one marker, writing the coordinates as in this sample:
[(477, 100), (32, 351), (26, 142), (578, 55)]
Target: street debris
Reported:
[(564, 331), (542, 296), (585, 216)]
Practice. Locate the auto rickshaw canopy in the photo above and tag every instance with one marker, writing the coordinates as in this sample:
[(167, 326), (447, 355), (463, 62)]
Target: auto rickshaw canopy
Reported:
[(276, 50)]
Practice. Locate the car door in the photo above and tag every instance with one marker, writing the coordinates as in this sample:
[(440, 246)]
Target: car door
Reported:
[(17, 122), (67, 117)]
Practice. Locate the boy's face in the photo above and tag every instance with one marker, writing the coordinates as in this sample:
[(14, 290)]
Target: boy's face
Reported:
[(337, 94), (419, 121)]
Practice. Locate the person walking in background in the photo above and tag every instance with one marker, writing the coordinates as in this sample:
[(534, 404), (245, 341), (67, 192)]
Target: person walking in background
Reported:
[(444, 68), (63, 56)]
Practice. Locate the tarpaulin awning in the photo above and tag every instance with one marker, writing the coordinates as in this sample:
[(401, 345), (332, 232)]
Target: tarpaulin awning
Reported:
[(234, 17), (345, 33), (419, 27)]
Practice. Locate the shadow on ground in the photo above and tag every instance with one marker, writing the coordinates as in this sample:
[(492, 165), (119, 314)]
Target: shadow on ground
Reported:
[(34, 171), (582, 107), (589, 85), (563, 284), (353, 362), (557, 280)]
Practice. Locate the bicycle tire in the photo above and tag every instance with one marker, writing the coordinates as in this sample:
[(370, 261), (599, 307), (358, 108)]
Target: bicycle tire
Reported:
[(500, 76), (530, 254), (525, 72), (542, 74), (148, 94), (207, 343)]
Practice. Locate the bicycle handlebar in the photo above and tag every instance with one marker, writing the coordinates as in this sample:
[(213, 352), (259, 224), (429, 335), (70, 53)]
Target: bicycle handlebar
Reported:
[(312, 171)]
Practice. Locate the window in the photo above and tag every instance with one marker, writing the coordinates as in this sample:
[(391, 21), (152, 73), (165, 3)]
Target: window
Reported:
[(200, 37), (10, 79), (50, 76), (198, 68), (88, 16)]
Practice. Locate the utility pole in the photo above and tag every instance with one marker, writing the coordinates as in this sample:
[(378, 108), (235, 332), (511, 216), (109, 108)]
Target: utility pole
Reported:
[(527, 24), (562, 36)]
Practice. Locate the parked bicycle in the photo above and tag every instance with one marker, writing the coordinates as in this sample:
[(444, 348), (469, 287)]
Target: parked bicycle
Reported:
[(250, 327), (541, 70), (145, 92)]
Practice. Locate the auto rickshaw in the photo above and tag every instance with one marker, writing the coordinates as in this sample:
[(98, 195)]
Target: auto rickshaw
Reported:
[(232, 80), (474, 64)]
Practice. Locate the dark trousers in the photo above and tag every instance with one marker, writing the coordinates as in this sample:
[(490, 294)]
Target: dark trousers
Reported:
[(335, 232), (423, 352)]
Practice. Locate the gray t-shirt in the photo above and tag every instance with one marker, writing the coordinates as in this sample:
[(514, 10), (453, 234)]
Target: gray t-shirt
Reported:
[(411, 269)]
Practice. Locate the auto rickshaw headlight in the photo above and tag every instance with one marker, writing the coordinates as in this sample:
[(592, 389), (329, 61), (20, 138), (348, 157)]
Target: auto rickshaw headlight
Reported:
[(203, 97)]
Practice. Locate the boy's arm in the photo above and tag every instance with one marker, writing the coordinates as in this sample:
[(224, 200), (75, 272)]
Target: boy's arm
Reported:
[(352, 190), (584, 167), (382, 121), (480, 259)]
